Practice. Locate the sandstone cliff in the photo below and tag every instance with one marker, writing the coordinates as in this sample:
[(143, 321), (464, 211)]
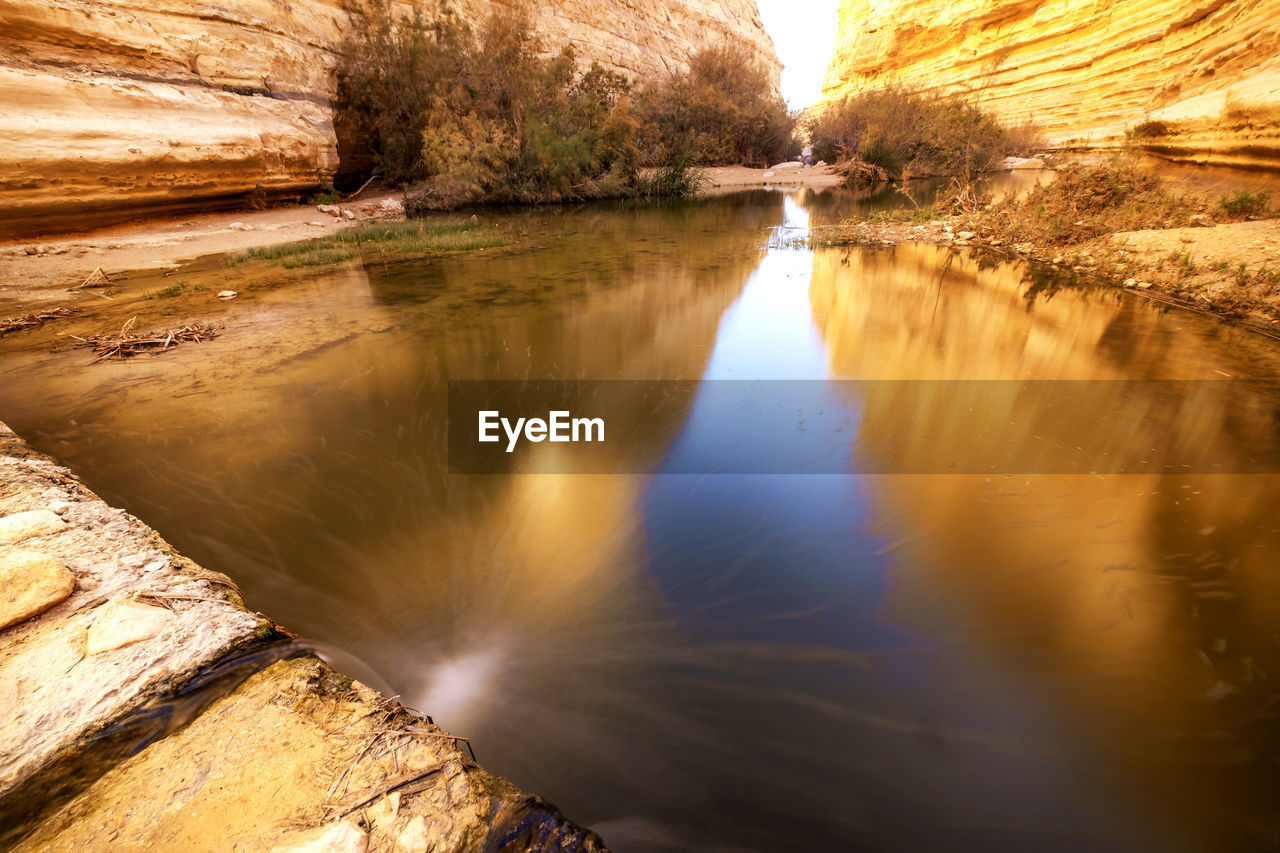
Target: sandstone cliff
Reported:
[(109, 108), (1199, 79)]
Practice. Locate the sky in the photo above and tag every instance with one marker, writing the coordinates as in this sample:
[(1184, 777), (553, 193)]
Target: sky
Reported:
[(804, 34)]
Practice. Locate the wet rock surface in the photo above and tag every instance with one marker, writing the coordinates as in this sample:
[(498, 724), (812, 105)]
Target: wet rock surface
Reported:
[(293, 757), (299, 758)]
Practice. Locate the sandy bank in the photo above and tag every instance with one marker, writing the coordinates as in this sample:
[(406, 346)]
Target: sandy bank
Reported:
[(39, 270), (721, 179), (1231, 270)]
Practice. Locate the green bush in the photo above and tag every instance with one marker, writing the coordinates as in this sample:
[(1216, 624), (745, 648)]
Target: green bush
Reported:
[(1245, 204), (917, 135), (724, 111)]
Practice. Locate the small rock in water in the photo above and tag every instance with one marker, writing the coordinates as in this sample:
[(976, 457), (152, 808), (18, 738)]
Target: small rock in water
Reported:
[(121, 623), (31, 583), (24, 525), (348, 214), (227, 294)]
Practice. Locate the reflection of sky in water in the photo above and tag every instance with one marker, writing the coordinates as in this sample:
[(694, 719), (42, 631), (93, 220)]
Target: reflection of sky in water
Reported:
[(794, 563), (786, 564)]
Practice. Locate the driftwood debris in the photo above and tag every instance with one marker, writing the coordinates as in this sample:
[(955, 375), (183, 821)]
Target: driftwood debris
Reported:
[(97, 278), (27, 321), (125, 343)]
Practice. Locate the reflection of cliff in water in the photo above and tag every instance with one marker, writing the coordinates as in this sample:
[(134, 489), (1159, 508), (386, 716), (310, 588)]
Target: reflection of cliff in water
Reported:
[(1144, 605), (326, 413)]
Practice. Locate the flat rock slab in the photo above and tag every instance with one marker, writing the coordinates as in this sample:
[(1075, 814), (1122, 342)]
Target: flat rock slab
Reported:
[(27, 525), (31, 583), (123, 622), (301, 759), (155, 617)]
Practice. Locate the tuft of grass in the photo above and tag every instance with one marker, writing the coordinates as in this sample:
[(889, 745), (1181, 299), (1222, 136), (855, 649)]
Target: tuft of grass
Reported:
[(167, 292), (327, 195), (411, 237), (680, 179)]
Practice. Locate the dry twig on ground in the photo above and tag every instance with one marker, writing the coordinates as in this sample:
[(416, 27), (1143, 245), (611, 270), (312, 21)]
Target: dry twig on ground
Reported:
[(27, 321), (97, 278)]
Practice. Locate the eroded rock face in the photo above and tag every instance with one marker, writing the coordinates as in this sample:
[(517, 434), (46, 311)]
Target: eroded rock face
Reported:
[(1204, 76), (109, 107)]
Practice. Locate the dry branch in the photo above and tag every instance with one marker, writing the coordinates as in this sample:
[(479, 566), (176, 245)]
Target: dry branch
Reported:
[(97, 278)]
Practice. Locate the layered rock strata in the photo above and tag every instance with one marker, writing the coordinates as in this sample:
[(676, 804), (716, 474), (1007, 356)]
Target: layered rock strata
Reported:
[(109, 108), (1192, 80)]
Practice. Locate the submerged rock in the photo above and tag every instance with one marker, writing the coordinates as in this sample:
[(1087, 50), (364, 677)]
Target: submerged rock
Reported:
[(31, 583), (25, 525)]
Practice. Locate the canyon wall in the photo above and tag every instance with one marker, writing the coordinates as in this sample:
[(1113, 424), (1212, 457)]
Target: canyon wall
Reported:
[(1192, 80), (112, 108)]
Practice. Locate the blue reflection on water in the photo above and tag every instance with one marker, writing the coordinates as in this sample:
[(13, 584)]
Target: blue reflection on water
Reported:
[(769, 558)]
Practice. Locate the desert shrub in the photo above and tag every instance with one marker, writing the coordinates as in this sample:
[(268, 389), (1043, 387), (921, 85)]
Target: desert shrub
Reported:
[(1085, 202), (913, 134), (1024, 139), (724, 110), (458, 116), (390, 70), (1245, 204)]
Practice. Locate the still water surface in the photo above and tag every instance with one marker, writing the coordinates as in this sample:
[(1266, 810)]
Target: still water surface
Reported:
[(889, 662)]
